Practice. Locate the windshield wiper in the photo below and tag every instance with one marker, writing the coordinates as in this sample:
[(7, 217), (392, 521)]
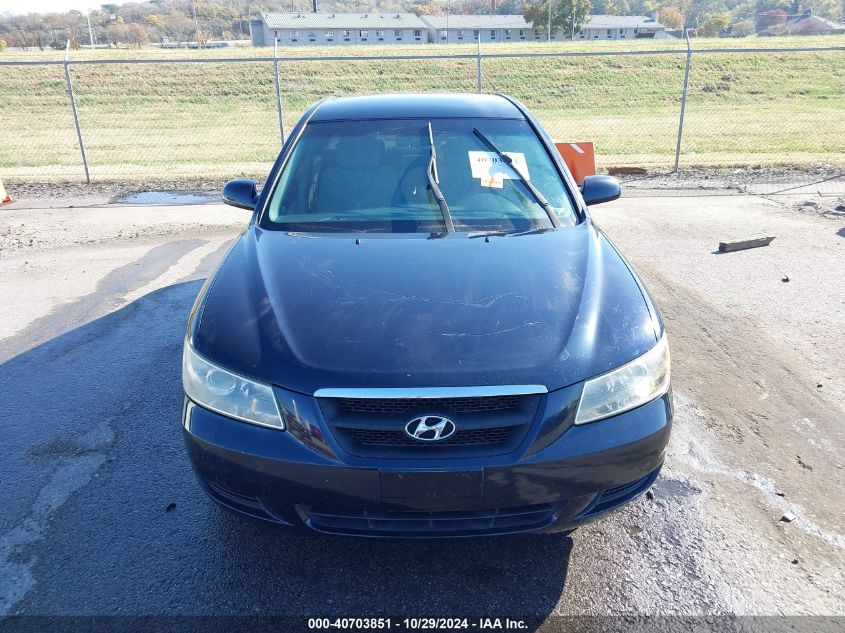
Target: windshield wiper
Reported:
[(434, 184), (512, 233), (539, 197)]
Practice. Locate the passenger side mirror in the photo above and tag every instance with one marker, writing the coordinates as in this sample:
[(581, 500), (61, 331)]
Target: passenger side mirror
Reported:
[(241, 193), (598, 189)]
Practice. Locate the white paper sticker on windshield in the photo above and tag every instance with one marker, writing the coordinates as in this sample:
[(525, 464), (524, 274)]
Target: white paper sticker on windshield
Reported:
[(492, 171)]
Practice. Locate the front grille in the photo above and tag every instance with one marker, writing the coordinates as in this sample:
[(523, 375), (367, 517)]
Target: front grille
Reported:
[(398, 406), (421, 524), (470, 437), (375, 427)]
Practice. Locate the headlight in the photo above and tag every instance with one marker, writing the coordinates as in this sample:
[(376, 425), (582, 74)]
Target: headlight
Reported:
[(626, 387), (227, 393)]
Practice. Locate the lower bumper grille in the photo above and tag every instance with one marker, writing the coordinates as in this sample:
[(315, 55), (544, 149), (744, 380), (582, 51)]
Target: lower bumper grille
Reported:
[(619, 496), (421, 524)]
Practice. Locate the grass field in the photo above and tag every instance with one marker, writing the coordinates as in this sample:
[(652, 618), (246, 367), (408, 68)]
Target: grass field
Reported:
[(167, 120)]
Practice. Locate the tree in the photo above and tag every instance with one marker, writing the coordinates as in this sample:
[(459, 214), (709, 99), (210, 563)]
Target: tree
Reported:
[(155, 26), (567, 15), (19, 39), (137, 35), (826, 8), (117, 32), (714, 25), (179, 27), (742, 28), (670, 16), (2, 45), (770, 18), (425, 8), (617, 7)]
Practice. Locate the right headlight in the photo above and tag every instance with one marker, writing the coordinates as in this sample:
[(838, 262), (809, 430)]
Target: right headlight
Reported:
[(626, 387), (227, 393)]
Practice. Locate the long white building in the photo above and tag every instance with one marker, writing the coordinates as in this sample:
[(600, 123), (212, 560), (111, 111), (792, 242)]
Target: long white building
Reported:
[(303, 29)]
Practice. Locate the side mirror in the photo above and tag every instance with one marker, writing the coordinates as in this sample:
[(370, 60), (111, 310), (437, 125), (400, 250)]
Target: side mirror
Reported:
[(241, 193), (598, 189)]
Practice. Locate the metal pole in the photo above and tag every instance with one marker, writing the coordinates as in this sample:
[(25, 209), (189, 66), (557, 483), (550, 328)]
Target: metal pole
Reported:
[(90, 30), (478, 64), (196, 22), (549, 33), (683, 103), (278, 88), (75, 115)]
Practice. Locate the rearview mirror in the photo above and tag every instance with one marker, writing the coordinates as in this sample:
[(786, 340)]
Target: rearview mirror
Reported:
[(241, 193), (598, 189)]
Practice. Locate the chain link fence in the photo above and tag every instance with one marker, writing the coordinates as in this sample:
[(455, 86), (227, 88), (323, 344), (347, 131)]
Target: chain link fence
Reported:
[(778, 111)]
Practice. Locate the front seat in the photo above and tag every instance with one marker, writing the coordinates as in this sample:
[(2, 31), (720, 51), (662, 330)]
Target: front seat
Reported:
[(356, 177)]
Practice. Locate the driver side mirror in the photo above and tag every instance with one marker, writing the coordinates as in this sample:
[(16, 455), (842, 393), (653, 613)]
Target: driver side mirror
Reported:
[(241, 193), (598, 189)]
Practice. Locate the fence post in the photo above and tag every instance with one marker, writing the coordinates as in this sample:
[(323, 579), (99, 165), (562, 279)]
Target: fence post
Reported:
[(278, 88), (75, 115), (683, 103), (478, 65)]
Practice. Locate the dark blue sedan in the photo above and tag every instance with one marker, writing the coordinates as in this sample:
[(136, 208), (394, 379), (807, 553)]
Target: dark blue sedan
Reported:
[(421, 333)]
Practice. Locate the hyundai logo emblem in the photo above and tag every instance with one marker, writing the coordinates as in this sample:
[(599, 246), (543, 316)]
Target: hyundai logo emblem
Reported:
[(430, 428)]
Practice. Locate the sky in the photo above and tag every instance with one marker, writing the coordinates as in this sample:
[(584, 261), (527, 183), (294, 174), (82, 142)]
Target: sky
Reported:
[(48, 6)]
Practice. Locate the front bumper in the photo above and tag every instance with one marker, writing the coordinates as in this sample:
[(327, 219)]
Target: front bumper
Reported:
[(276, 476)]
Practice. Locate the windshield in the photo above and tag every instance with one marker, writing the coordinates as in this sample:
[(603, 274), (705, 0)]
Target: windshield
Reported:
[(375, 176)]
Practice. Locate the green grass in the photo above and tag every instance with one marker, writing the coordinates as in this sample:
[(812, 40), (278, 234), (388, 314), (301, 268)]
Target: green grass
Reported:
[(165, 120)]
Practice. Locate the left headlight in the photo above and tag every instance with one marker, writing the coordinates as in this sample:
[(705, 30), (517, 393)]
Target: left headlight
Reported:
[(626, 387), (227, 393)]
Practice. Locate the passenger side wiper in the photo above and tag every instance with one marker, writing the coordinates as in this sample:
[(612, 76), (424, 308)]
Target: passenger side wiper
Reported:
[(434, 184), (539, 197), (514, 232)]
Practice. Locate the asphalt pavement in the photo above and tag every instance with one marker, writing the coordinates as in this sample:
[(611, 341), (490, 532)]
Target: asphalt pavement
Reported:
[(102, 514)]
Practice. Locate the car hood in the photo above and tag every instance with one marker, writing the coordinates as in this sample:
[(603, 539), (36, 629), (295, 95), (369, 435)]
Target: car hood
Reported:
[(307, 311)]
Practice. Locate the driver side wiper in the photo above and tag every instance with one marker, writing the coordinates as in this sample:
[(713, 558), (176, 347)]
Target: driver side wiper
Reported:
[(539, 197), (434, 184)]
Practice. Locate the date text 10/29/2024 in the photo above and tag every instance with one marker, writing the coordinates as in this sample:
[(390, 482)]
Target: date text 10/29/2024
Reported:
[(417, 624)]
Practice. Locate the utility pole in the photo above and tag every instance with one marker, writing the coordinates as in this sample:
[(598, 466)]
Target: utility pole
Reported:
[(90, 30), (549, 31), (196, 22), (240, 19)]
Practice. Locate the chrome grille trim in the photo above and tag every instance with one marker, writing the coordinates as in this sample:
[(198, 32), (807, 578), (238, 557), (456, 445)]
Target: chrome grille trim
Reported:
[(400, 406), (431, 392)]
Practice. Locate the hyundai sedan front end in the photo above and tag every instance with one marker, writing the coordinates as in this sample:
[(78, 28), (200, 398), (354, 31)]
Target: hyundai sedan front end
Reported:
[(421, 333)]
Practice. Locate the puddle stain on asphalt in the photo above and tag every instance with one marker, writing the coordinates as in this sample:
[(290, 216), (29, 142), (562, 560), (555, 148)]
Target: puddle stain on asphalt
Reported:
[(168, 198), (694, 452), (16, 577)]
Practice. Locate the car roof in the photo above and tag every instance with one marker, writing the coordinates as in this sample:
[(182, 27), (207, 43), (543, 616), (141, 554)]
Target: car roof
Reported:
[(417, 106)]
